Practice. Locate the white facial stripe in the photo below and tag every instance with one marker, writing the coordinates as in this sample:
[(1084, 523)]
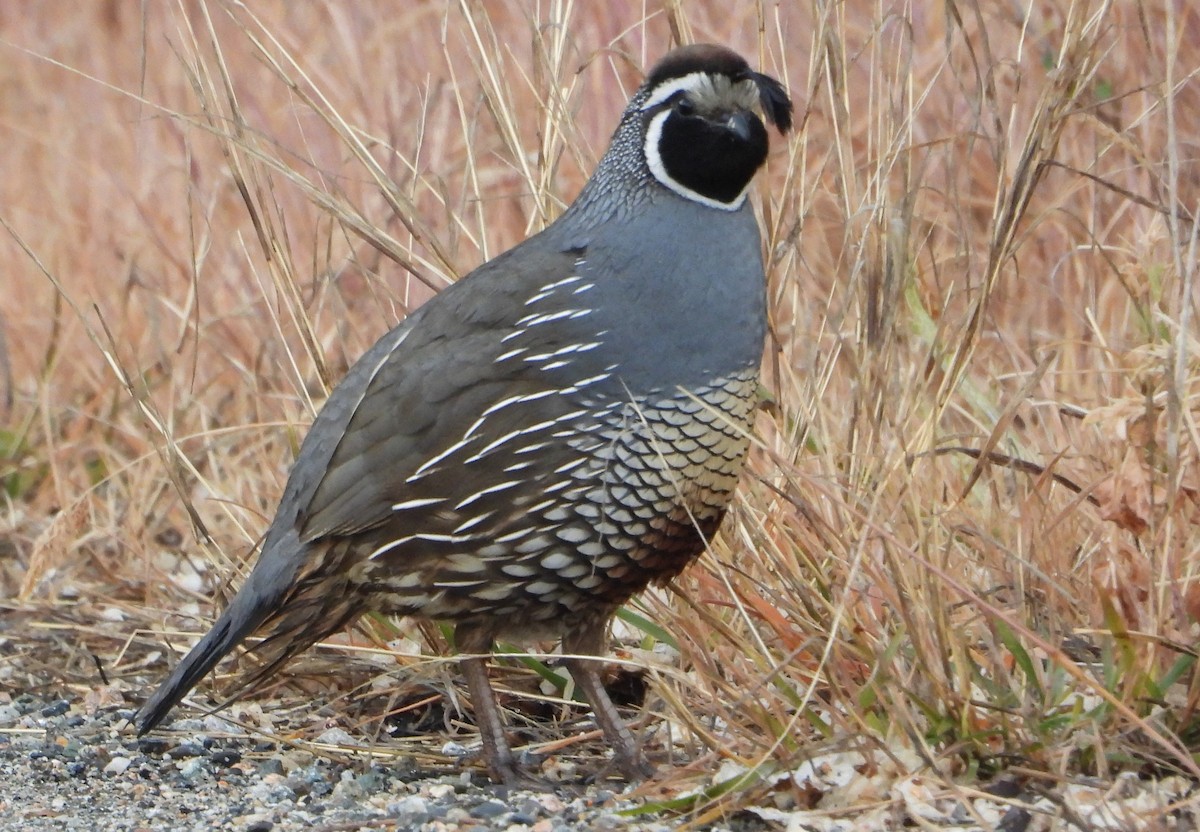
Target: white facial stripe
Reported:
[(688, 83), (654, 161)]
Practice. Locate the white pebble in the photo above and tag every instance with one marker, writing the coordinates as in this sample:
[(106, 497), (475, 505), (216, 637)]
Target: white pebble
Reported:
[(454, 749), (117, 765)]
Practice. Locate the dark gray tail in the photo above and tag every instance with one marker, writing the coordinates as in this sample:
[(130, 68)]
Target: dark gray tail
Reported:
[(258, 600), (243, 616), (296, 593)]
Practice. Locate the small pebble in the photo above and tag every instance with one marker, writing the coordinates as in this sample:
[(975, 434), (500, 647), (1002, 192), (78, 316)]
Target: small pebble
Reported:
[(153, 745), (454, 749), (214, 724), (373, 780), (440, 791), (1015, 819), (271, 765), (188, 725), (187, 749), (411, 806), (117, 765), (348, 792), (57, 708), (457, 815), (272, 789), (226, 758), (488, 809), (191, 768), (337, 736)]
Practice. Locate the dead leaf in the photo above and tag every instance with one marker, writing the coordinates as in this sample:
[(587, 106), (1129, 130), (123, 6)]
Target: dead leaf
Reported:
[(1125, 497)]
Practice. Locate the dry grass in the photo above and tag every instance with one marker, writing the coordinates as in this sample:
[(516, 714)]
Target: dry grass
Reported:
[(969, 537)]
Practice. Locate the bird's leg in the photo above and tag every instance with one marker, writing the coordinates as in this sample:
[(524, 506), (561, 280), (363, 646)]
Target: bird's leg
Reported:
[(499, 757), (502, 766), (586, 673)]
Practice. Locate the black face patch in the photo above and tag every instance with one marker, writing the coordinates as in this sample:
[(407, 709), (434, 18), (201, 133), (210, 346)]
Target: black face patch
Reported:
[(704, 136), (714, 159)]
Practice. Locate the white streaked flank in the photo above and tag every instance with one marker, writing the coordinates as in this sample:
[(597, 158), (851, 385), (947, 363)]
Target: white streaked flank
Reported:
[(459, 584), (419, 502), (387, 547), (516, 535), (527, 397), (492, 489), (567, 350), (546, 318), (570, 466), (566, 281), (573, 534), (584, 382), (498, 591), (430, 537), (429, 463), (474, 521), (534, 428)]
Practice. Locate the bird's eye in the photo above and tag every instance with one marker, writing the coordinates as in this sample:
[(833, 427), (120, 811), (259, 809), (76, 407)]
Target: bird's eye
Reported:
[(684, 106)]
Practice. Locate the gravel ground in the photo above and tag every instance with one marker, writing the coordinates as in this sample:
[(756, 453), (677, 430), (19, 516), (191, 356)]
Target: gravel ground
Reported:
[(71, 766), (71, 676), (63, 769), (69, 760)]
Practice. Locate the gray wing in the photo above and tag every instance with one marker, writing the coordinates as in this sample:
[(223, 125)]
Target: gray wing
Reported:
[(454, 383)]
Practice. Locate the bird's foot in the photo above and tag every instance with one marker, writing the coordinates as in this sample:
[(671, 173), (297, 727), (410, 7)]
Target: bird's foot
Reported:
[(634, 768), (504, 769)]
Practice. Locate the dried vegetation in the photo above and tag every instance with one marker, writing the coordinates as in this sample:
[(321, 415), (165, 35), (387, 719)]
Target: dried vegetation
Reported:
[(968, 543)]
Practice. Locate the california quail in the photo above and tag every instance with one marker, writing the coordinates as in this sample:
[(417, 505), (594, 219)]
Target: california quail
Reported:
[(552, 433)]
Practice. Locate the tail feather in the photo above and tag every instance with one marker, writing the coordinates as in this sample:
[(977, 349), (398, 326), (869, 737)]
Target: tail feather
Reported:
[(301, 595), (242, 617), (295, 629), (258, 599)]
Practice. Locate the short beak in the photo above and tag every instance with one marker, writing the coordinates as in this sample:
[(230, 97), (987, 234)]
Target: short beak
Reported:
[(739, 124)]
